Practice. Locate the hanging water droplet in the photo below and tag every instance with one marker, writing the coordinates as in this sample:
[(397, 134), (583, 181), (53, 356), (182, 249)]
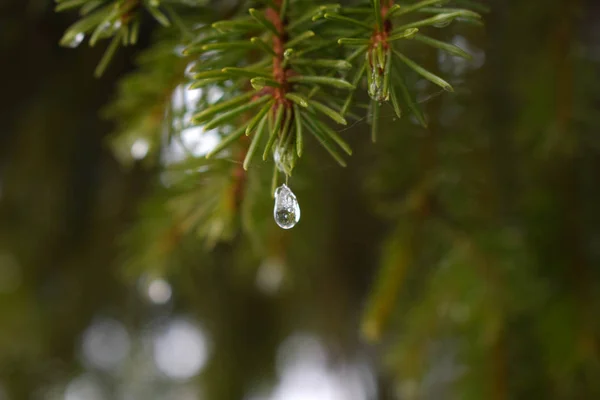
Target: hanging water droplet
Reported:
[(287, 209), (76, 41)]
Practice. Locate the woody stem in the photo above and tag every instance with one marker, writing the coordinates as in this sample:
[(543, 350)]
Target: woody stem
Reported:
[(279, 40)]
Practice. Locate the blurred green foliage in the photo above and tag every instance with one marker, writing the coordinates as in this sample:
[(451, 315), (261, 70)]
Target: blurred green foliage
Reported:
[(457, 261)]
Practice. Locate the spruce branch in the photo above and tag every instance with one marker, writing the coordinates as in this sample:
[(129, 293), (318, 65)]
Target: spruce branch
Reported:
[(284, 40), (282, 69), (117, 20), (284, 80), (389, 29)]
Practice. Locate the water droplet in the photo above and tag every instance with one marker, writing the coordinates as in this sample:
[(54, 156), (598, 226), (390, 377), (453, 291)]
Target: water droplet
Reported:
[(76, 41), (375, 82), (105, 27), (284, 159), (376, 89), (287, 209)]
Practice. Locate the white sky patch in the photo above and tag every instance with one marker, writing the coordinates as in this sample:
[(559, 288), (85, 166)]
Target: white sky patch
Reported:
[(178, 98), (192, 141), (214, 94), (198, 141), (189, 70), (193, 96)]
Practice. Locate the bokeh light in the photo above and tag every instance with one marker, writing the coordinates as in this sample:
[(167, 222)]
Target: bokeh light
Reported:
[(140, 148), (305, 373), (159, 291), (180, 349), (270, 275), (105, 344), (84, 387)]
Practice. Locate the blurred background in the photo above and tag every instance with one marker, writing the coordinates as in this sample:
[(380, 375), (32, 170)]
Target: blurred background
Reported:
[(455, 262)]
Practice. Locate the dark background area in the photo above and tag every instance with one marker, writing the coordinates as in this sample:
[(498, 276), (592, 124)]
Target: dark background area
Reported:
[(498, 259)]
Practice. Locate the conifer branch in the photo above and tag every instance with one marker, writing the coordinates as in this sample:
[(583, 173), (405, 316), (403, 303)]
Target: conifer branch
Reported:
[(282, 69)]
